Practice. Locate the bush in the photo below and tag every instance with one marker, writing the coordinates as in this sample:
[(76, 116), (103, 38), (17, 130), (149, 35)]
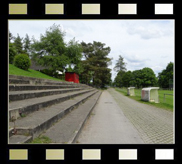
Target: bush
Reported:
[(22, 61)]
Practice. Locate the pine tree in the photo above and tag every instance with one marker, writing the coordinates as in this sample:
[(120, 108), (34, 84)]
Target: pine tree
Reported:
[(18, 44), (96, 63), (27, 45), (120, 65)]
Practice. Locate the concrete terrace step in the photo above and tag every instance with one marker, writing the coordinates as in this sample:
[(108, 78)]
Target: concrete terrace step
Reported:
[(19, 139), (68, 129), (23, 87), (18, 81), (39, 121), (13, 79), (24, 107), (37, 81), (21, 95)]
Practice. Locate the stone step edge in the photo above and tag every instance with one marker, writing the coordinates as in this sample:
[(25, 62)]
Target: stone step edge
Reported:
[(37, 130), (17, 112), (27, 140), (14, 81), (40, 93), (28, 87), (78, 131), (40, 80)]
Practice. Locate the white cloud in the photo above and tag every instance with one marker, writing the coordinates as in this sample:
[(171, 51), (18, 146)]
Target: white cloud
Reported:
[(149, 29)]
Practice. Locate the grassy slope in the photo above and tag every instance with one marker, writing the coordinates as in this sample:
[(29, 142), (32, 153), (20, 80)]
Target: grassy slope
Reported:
[(167, 104), (30, 73)]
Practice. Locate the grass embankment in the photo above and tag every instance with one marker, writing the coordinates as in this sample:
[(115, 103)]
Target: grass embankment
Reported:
[(166, 103), (30, 73)]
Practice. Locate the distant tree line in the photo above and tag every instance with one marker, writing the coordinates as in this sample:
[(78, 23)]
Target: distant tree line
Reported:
[(89, 60), (143, 77)]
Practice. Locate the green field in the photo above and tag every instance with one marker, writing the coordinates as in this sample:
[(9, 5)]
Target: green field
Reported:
[(30, 73), (166, 103)]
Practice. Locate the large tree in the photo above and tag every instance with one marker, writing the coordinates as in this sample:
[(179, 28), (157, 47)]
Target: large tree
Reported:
[(51, 49), (96, 63), (136, 79), (74, 53), (118, 79), (143, 78), (148, 77), (126, 79), (166, 76)]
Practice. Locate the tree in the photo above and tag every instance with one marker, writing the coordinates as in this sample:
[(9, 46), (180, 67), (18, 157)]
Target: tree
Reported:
[(27, 45), (143, 78), (11, 37), (148, 77), (74, 53), (12, 53), (51, 49), (96, 63), (136, 79), (126, 79), (118, 79), (18, 44), (120, 65), (166, 76)]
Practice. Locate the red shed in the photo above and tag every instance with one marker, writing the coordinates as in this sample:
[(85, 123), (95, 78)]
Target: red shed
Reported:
[(72, 77)]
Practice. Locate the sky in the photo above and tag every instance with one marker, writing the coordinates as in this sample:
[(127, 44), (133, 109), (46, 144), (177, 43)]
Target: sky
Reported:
[(142, 43)]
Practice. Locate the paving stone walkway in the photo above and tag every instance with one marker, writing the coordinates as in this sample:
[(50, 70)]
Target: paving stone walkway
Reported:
[(155, 125)]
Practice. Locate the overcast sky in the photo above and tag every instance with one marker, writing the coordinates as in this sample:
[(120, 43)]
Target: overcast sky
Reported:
[(142, 43)]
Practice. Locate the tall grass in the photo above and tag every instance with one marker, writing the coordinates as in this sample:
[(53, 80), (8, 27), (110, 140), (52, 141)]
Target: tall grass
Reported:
[(166, 103)]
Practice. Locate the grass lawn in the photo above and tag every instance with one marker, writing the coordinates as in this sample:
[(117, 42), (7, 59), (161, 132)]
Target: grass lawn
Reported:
[(165, 104), (30, 73), (41, 139)]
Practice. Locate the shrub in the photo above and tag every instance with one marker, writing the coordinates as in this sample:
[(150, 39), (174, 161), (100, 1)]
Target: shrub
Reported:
[(22, 61)]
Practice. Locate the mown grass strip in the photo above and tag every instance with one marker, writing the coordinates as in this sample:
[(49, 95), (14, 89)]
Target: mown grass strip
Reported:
[(167, 104), (41, 139)]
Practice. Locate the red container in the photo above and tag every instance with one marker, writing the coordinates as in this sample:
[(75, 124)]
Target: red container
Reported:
[(72, 77)]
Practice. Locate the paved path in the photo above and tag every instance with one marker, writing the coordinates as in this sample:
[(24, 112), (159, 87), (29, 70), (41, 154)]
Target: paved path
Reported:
[(117, 119)]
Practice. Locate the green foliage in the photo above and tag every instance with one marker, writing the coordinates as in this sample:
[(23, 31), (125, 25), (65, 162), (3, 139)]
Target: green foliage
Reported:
[(12, 53), (51, 49), (118, 79), (74, 53), (138, 78), (22, 61), (126, 79), (120, 65), (27, 45), (18, 44), (11, 37), (166, 76), (95, 64), (148, 77)]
